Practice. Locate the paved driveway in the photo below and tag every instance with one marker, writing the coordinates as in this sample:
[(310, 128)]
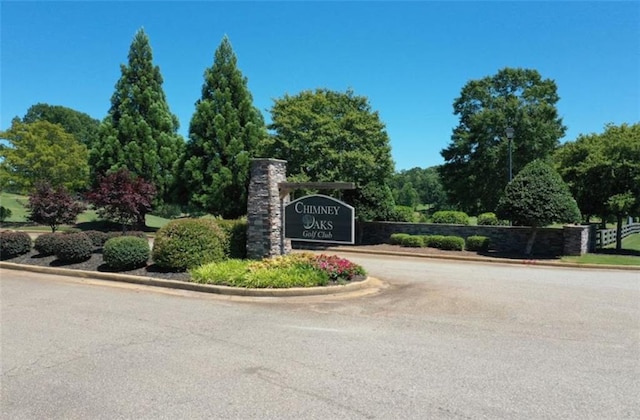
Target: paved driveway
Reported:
[(443, 340)]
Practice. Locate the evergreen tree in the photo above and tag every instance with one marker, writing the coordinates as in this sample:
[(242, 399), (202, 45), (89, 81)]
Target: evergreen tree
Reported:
[(139, 132), (224, 132)]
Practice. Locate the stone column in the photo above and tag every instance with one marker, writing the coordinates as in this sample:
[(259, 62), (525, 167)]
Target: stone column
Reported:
[(576, 240), (265, 232)]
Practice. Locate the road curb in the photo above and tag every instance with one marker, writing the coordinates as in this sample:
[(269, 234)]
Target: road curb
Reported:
[(531, 262), (369, 282)]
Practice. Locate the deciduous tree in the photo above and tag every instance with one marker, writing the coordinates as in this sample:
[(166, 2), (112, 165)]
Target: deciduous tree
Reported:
[(333, 136), (139, 132), (81, 125), (41, 151), (475, 171), (52, 206), (223, 135), (123, 198)]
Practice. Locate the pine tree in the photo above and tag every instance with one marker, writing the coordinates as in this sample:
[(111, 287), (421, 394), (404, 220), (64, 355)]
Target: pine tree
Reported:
[(139, 132), (224, 132)]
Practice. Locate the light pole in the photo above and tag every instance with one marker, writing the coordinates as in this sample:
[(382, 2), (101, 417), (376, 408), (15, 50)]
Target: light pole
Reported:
[(509, 132)]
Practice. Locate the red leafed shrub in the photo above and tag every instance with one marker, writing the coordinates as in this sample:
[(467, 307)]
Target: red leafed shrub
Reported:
[(52, 206), (122, 197)]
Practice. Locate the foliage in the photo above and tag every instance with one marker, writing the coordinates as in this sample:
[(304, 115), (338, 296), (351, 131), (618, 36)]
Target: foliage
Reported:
[(236, 234), (372, 202), (538, 197), (136, 233), (476, 161), (425, 182), (5, 213), (139, 132), (478, 243), (52, 206), (73, 247), (412, 241), (122, 197), (452, 243), (41, 151), (433, 241), (407, 196), (450, 217), (332, 136), (397, 238), (168, 211), (98, 238), (599, 166), (293, 270), (224, 133), (187, 243), (404, 214), (126, 253), (622, 205), (83, 127), (13, 244), (489, 219), (47, 243)]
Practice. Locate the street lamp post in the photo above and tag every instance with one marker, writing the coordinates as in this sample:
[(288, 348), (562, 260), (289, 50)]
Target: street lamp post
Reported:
[(509, 131)]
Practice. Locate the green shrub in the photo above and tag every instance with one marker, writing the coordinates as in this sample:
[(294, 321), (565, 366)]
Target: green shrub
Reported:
[(47, 243), (5, 213), (187, 243), (167, 211), (397, 238), (403, 214), (98, 238), (13, 244), (236, 232), (450, 217), (126, 253), (452, 243), (136, 233), (487, 219), (413, 241), (433, 241), (478, 243), (73, 247)]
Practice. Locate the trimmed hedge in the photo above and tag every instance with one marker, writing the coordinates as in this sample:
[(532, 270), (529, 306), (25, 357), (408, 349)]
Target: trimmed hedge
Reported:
[(433, 241), (452, 243), (126, 252), (188, 243), (397, 238), (47, 243), (478, 243), (98, 238), (413, 241), (236, 233), (74, 247), (136, 233), (13, 244), (450, 217)]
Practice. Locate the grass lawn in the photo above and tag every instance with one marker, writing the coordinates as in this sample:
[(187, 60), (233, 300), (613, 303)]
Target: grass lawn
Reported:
[(16, 202), (630, 254)]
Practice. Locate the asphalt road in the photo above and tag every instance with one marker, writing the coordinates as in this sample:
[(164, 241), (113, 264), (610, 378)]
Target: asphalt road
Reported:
[(448, 340)]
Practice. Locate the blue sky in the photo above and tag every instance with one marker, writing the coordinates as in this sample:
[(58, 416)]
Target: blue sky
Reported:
[(411, 59)]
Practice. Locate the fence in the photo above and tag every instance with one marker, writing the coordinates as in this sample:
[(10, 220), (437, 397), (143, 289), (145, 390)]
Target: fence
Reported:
[(608, 236)]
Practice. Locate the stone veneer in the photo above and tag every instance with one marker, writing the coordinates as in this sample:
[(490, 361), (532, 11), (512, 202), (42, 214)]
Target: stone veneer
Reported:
[(569, 240), (265, 233)]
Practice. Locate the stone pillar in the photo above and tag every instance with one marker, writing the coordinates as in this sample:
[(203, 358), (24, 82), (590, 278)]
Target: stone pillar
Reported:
[(265, 232), (576, 240)]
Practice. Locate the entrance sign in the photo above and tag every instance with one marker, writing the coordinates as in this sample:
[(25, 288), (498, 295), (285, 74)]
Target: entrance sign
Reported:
[(319, 218)]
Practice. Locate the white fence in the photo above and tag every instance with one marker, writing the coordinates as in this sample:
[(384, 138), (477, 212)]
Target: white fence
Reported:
[(605, 237)]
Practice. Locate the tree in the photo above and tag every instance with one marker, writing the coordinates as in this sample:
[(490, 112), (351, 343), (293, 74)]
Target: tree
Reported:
[(407, 196), (41, 151), (223, 135), (475, 171), (139, 132), (332, 136), (81, 125), (538, 197), (621, 205), (122, 197), (426, 183), (52, 206), (598, 167)]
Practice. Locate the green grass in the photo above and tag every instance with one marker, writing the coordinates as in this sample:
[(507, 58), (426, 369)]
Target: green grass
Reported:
[(86, 220), (631, 243), (629, 255)]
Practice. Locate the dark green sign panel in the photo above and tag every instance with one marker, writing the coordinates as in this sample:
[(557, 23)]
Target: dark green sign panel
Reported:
[(319, 218)]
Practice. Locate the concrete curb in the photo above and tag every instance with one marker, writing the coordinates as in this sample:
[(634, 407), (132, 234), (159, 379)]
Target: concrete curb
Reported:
[(369, 282), (487, 259)]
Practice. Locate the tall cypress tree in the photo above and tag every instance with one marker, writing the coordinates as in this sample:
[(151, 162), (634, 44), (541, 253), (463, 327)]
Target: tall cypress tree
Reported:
[(224, 132), (139, 132)]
